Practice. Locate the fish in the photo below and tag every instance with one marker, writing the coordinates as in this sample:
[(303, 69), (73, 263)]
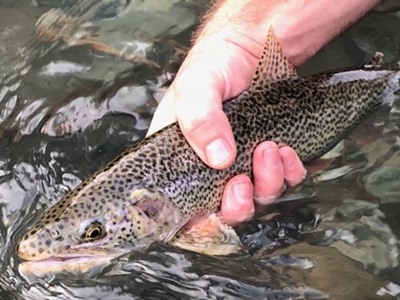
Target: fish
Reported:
[(160, 191)]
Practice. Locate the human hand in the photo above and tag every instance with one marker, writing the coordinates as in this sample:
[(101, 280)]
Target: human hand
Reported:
[(221, 65), (218, 68)]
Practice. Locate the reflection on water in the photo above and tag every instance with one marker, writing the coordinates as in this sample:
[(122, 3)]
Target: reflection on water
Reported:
[(84, 87)]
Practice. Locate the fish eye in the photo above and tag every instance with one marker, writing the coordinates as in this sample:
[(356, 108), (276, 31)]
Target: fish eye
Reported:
[(93, 231), (55, 233)]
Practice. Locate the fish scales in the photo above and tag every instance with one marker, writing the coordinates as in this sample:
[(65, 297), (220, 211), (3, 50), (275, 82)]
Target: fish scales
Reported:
[(153, 189), (310, 120)]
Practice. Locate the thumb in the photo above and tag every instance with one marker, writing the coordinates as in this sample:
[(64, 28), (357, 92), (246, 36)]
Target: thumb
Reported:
[(201, 118), (198, 109), (214, 70)]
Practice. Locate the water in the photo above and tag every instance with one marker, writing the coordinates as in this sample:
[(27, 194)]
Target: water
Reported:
[(66, 110)]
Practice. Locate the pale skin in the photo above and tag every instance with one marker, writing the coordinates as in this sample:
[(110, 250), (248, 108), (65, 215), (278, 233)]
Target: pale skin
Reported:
[(220, 66)]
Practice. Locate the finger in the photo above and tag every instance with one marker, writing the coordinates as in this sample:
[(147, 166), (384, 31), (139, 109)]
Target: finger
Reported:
[(237, 201), (269, 179), (201, 118), (215, 69), (294, 171)]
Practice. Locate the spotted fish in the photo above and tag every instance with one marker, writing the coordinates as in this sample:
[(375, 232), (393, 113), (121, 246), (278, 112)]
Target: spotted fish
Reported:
[(160, 190)]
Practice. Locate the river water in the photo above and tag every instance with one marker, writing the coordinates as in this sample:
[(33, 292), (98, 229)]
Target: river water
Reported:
[(82, 85)]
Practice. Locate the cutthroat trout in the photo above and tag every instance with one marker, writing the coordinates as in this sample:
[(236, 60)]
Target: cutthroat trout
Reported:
[(155, 190)]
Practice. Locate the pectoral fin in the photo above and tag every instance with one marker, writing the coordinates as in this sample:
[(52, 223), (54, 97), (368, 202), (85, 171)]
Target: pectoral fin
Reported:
[(208, 236), (272, 66)]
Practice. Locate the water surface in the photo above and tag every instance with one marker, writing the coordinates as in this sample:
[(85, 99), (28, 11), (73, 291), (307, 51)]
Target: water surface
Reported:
[(73, 97)]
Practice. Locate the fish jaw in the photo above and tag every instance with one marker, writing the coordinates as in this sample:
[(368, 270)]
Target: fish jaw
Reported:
[(78, 266), (63, 253), (80, 260)]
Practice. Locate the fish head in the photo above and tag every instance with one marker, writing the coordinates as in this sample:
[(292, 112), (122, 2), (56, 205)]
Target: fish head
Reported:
[(98, 221)]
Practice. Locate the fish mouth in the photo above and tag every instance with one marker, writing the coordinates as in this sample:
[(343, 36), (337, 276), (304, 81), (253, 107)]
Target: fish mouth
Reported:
[(75, 264), (67, 258), (70, 258), (73, 254)]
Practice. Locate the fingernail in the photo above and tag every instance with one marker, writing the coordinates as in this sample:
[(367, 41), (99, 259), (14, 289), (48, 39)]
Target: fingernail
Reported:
[(239, 205), (242, 192), (271, 157), (289, 159), (218, 152)]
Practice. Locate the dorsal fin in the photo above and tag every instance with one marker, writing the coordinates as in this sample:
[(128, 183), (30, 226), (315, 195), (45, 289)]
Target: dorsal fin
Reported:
[(273, 65)]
